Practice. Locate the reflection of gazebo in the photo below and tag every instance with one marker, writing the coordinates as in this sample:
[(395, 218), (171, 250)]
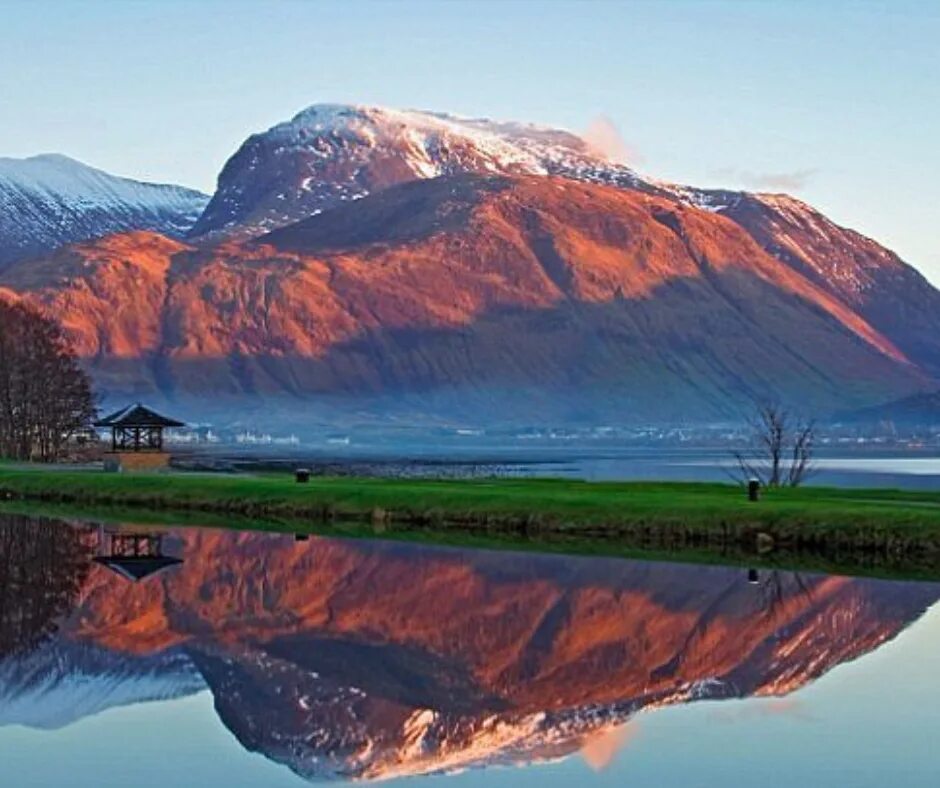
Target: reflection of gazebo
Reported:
[(133, 555), (136, 438)]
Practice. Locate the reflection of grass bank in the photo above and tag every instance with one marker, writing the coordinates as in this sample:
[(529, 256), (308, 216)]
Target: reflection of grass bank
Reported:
[(847, 562), (879, 529)]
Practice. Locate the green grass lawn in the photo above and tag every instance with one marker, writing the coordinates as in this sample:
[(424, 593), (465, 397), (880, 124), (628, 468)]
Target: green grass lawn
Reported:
[(561, 501), (869, 531)]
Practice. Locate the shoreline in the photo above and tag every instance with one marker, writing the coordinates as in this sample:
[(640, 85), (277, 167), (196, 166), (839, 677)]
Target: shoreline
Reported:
[(884, 529)]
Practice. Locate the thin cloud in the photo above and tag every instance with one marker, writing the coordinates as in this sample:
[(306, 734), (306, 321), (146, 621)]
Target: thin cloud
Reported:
[(605, 138), (791, 181)]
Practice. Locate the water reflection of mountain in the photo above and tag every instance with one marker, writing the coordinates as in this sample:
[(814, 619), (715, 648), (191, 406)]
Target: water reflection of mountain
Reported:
[(370, 659)]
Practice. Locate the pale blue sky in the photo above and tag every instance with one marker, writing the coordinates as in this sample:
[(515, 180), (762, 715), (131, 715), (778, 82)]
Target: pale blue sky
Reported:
[(840, 100)]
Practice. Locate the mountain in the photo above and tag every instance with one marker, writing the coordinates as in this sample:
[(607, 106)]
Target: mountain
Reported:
[(371, 660), (596, 302), (330, 154), (389, 262), (917, 411), (51, 200)]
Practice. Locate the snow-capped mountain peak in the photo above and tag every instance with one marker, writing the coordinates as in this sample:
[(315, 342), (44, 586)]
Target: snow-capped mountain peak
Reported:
[(328, 154), (63, 682), (50, 200), (60, 175)]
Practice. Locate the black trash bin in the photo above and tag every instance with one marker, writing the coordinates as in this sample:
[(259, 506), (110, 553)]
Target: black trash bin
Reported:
[(302, 475), (753, 490)]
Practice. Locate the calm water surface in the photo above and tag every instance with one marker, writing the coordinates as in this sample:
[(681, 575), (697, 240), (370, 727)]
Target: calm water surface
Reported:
[(199, 657), (857, 467)]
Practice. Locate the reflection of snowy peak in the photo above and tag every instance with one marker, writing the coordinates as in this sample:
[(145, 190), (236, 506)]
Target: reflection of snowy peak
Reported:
[(373, 660), (62, 682), (323, 727), (50, 200), (346, 708)]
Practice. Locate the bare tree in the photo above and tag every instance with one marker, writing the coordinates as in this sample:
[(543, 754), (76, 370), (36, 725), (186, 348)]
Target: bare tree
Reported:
[(781, 448), (45, 397), (801, 459)]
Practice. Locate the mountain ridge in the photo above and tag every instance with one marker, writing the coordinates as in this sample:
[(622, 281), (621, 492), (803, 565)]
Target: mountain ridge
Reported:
[(328, 154)]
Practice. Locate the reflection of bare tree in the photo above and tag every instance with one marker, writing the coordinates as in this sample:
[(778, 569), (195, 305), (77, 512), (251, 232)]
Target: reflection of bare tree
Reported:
[(43, 564), (775, 587)]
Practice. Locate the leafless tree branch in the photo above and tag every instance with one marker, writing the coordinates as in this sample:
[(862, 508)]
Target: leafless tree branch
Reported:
[(781, 448)]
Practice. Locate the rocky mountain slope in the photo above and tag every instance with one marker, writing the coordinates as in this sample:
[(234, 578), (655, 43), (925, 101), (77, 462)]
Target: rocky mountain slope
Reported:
[(890, 295), (372, 660), (330, 154), (495, 288), (50, 200)]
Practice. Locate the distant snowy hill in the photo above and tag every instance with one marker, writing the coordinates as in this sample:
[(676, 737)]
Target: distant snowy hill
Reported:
[(51, 200)]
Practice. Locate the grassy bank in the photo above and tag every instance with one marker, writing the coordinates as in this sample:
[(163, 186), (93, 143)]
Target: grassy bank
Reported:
[(875, 564), (899, 525)]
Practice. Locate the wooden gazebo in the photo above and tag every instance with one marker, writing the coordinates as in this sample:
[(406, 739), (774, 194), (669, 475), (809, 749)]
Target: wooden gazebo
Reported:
[(137, 438)]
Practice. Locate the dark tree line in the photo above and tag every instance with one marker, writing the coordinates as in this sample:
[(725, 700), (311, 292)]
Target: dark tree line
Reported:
[(45, 397), (43, 565)]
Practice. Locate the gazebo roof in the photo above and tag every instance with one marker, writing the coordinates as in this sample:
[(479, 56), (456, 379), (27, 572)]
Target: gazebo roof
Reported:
[(137, 416), (136, 568)]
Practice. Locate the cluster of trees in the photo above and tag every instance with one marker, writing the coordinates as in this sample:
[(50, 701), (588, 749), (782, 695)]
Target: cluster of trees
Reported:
[(45, 397)]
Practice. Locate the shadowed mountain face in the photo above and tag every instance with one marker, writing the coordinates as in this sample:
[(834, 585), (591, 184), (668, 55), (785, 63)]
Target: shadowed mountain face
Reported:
[(597, 301), (891, 296), (371, 660)]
